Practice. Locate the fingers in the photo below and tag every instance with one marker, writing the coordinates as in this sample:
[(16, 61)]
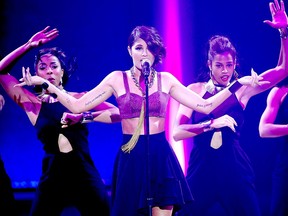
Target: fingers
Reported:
[(268, 22), (45, 29), (255, 78), (231, 123), (276, 5), (52, 33), (282, 5), (26, 76), (48, 36), (272, 8), (224, 121), (63, 121), (20, 84)]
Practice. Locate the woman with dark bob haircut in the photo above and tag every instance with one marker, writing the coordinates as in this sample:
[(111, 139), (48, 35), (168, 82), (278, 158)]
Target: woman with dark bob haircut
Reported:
[(168, 188)]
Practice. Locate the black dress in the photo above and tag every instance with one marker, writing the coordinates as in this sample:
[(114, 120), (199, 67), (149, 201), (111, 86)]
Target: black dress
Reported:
[(131, 182), (7, 200), (223, 175), (67, 178)]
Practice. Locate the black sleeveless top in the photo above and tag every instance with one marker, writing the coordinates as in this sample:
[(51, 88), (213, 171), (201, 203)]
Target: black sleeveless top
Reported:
[(230, 157), (48, 128)]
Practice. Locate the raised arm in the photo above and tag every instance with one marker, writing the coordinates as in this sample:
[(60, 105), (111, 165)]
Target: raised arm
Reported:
[(37, 39), (274, 75), (24, 98), (267, 126)]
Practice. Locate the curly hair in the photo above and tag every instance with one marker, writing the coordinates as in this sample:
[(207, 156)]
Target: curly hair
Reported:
[(68, 65)]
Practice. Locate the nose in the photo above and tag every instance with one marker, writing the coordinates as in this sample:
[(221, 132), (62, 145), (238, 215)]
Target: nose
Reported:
[(225, 69), (49, 70), (144, 53)]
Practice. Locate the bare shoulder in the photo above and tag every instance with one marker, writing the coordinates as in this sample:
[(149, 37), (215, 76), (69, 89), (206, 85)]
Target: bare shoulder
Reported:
[(278, 92), (169, 78), (166, 75), (114, 76)]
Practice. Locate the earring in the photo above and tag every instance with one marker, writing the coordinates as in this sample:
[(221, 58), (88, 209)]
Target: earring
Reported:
[(210, 74), (235, 74), (61, 81)]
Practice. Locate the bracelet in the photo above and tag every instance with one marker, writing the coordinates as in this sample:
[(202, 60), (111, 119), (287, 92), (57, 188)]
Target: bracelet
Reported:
[(283, 32), (207, 125), (45, 85), (234, 87), (87, 117), (54, 95)]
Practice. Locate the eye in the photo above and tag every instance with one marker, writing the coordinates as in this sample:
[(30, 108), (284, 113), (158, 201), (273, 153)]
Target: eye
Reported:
[(218, 66), (42, 67), (230, 65)]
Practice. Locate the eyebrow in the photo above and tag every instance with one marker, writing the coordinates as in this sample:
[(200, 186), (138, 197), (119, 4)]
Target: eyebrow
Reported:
[(232, 62)]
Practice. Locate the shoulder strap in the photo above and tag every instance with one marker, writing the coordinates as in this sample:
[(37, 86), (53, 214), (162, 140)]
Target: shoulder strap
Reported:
[(159, 81), (125, 80)]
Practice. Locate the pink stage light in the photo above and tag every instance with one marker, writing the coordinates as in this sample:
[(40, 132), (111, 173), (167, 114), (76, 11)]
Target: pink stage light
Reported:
[(173, 64)]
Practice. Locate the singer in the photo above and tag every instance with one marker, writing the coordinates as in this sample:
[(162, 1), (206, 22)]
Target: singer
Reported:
[(169, 188)]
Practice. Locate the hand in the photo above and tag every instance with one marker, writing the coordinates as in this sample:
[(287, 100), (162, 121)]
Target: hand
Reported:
[(29, 80), (224, 121), (43, 36), (2, 102), (253, 80), (279, 16), (70, 119)]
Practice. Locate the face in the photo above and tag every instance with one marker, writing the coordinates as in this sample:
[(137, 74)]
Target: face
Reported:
[(222, 68), (49, 68), (139, 52)]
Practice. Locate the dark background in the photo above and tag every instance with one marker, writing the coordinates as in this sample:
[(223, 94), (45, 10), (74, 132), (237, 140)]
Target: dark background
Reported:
[(96, 32)]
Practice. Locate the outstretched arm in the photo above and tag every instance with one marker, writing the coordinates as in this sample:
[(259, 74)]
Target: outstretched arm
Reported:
[(106, 88), (192, 100), (274, 75), (85, 103)]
